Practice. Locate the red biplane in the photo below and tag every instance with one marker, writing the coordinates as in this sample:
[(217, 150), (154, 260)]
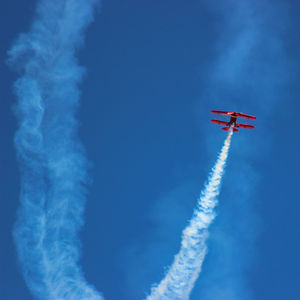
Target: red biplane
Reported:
[(232, 122)]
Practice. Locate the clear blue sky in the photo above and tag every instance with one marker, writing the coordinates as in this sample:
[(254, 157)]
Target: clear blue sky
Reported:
[(155, 69)]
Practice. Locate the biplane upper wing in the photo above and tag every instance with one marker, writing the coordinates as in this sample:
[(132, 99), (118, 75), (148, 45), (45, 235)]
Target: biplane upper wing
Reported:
[(222, 112), (241, 115), (219, 122), (244, 126)]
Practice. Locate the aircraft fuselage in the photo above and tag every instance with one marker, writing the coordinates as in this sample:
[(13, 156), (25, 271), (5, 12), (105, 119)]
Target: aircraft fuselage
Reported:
[(232, 121)]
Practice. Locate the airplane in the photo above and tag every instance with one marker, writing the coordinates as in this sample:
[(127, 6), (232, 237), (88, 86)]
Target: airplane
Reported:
[(232, 122)]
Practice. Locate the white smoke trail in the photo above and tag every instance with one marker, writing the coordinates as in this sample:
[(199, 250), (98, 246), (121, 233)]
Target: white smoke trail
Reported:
[(182, 274), (52, 161)]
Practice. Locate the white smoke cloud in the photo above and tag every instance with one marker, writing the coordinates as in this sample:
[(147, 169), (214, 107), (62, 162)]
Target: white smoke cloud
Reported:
[(182, 274), (52, 161)]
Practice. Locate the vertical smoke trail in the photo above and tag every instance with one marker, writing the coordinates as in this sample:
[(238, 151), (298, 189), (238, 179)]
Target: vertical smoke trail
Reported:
[(181, 276), (52, 160)]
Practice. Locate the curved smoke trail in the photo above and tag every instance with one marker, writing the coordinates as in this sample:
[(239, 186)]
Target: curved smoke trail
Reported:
[(181, 276), (52, 160)]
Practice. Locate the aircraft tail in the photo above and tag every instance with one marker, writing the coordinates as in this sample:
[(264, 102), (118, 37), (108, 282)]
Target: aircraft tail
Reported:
[(228, 128)]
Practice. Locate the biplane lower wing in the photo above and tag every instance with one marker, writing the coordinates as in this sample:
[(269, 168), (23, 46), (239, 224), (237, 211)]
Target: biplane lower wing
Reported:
[(244, 126), (219, 122)]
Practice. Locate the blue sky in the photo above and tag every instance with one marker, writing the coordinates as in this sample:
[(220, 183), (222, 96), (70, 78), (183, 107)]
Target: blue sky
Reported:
[(154, 70)]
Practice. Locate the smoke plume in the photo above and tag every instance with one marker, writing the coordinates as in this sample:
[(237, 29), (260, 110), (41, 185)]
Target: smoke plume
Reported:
[(182, 274), (52, 160)]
